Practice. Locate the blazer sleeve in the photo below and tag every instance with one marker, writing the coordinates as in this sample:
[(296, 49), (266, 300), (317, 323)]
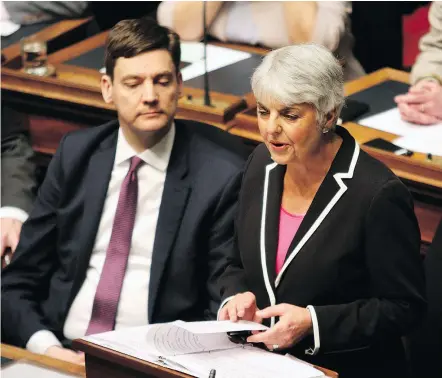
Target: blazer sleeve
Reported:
[(429, 61), (25, 281), (396, 302), (18, 172)]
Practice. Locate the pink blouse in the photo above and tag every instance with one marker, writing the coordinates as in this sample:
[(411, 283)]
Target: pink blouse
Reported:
[(288, 226)]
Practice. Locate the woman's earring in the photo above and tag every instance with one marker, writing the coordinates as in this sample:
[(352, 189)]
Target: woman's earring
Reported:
[(325, 130)]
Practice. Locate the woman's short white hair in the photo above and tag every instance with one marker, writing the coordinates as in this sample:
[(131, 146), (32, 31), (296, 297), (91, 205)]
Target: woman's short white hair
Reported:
[(305, 73)]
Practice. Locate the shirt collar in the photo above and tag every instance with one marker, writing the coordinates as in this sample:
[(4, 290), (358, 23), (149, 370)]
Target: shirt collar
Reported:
[(157, 156)]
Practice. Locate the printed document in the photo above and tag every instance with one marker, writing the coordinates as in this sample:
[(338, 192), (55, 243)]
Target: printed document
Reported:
[(197, 347)]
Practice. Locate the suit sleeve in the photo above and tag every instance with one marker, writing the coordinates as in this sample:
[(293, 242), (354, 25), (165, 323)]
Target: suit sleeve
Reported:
[(233, 279), (429, 60), (222, 246), (18, 172), (396, 301), (26, 280)]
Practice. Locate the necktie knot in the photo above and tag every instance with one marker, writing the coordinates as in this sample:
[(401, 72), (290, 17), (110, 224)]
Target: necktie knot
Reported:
[(135, 163)]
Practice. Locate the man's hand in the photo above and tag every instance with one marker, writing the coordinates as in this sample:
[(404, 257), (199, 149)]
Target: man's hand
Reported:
[(65, 355), (294, 323), (422, 104), (241, 306), (10, 233)]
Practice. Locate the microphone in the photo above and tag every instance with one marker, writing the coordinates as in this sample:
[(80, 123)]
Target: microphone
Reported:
[(206, 74)]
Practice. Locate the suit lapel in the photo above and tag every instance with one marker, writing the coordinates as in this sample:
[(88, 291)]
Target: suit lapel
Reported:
[(96, 184), (173, 203), (273, 183), (328, 195)]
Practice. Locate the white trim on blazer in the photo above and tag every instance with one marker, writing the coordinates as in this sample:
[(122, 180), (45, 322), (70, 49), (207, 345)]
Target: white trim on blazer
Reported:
[(270, 292)]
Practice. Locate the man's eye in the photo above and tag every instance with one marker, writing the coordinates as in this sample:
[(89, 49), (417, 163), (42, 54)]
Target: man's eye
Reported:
[(164, 82), (131, 85)]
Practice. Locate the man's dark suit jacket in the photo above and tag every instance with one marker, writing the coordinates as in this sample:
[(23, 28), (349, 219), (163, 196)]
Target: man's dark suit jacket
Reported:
[(355, 258), (19, 182), (193, 239)]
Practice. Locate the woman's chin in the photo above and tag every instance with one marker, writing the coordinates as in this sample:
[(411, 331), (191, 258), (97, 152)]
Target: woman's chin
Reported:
[(279, 159)]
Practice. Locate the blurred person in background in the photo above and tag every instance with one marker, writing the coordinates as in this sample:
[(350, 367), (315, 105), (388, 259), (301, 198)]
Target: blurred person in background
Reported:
[(18, 179), (32, 12), (423, 102), (271, 24)]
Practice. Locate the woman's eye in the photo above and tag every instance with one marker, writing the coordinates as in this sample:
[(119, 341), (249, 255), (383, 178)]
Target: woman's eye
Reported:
[(292, 117), (262, 112)]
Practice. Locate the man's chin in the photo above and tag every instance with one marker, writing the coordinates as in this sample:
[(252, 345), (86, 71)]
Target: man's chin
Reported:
[(152, 124)]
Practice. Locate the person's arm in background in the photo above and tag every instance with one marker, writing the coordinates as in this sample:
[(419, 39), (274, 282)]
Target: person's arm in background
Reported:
[(31, 12), (423, 102), (18, 179), (186, 17), (25, 281), (300, 18), (429, 62)]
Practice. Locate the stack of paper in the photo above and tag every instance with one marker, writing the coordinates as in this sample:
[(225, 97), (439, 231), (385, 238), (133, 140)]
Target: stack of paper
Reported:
[(198, 347)]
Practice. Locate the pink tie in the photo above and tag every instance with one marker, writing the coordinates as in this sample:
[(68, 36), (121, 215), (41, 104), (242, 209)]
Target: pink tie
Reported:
[(107, 296)]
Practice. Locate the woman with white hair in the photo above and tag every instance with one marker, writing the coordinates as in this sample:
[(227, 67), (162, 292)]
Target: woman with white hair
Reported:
[(327, 237)]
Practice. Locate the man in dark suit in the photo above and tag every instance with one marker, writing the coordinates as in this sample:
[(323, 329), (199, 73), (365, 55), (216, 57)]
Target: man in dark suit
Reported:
[(134, 221), (18, 183)]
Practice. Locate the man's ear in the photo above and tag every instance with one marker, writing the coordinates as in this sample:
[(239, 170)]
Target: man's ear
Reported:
[(106, 89)]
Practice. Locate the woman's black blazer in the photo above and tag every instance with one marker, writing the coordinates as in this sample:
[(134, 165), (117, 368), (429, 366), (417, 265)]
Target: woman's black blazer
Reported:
[(355, 259)]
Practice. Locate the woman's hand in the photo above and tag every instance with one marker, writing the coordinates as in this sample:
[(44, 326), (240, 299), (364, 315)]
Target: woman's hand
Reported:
[(293, 325), (240, 307)]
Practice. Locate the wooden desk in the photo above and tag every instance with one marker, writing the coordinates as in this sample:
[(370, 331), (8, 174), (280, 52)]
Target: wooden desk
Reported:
[(423, 178), (80, 86), (57, 35), (15, 353)]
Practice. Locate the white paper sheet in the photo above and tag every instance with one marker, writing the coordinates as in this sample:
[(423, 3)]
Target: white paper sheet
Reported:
[(421, 144), (246, 362), (391, 122), (149, 342), (217, 57), (220, 326), (170, 340), (25, 369)]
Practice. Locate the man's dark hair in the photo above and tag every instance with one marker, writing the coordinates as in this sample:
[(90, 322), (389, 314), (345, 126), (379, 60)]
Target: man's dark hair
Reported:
[(129, 38)]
